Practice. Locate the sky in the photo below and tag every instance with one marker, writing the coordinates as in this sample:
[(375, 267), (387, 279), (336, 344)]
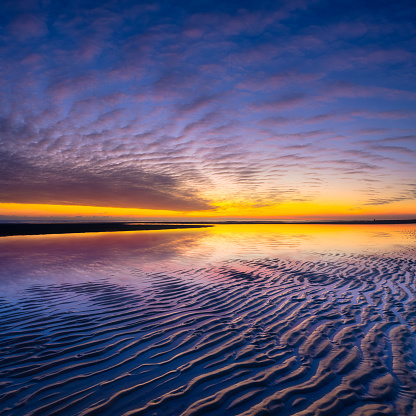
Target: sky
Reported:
[(207, 109)]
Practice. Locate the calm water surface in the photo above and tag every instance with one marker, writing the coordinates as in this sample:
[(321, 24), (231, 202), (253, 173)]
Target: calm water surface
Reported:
[(54, 259)]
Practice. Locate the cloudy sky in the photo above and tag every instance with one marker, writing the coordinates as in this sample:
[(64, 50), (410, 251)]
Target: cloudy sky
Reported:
[(200, 109)]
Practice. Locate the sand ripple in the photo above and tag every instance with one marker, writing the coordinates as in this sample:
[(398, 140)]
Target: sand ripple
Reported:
[(333, 336)]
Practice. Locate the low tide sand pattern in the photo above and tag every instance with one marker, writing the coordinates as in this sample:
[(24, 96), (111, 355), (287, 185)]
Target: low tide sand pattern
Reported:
[(332, 336)]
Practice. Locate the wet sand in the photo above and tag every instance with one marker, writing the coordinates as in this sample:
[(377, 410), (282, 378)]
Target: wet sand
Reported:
[(333, 335)]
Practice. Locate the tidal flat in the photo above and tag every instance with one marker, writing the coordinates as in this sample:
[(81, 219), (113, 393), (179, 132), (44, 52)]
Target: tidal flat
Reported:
[(234, 319)]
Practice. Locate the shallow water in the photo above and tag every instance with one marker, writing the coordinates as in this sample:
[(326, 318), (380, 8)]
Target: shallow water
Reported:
[(229, 320)]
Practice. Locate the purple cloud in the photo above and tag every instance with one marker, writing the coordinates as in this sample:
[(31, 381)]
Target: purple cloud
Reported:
[(27, 27), (156, 105)]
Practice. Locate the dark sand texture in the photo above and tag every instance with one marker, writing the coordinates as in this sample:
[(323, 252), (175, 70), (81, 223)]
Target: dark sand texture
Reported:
[(8, 229), (270, 337)]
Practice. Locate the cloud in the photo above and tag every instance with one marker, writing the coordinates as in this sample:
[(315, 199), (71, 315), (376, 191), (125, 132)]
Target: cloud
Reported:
[(389, 149), (264, 81), (408, 194), (22, 181), (72, 86), (27, 27), (274, 121), (284, 102), (347, 89)]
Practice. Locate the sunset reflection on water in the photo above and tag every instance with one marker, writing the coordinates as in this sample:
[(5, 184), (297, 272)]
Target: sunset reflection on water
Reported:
[(52, 259)]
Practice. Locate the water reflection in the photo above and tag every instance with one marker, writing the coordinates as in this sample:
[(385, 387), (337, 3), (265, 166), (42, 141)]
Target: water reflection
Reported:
[(49, 259), (46, 259), (269, 240)]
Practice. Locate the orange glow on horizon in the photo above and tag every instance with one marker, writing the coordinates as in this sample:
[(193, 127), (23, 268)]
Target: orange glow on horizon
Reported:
[(46, 210), (241, 211)]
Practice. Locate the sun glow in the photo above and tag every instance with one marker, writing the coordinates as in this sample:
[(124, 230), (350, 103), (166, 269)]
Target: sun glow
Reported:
[(224, 210), (75, 211)]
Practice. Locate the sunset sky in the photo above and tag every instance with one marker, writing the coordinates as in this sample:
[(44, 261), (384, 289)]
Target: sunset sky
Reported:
[(296, 109)]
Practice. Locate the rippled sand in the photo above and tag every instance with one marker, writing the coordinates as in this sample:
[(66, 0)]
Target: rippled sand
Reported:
[(332, 335)]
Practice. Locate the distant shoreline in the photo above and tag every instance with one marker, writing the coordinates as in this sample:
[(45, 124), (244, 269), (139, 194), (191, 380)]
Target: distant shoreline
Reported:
[(347, 222), (15, 229)]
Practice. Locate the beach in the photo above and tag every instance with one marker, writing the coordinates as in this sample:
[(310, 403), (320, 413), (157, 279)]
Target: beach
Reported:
[(9, 229), (214, 321)]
